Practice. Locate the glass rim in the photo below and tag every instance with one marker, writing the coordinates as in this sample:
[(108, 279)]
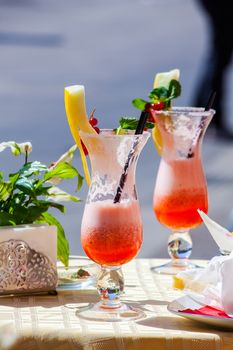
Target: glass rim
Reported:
[(109, 133), (192, 111)]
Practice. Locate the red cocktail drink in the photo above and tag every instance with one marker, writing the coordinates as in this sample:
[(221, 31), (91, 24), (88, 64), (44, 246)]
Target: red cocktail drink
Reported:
[(181, 186), (111, 234), (179, 192), (111, 231)]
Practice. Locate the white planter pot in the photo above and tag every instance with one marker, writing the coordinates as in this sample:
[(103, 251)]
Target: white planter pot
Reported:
[(28, 259)]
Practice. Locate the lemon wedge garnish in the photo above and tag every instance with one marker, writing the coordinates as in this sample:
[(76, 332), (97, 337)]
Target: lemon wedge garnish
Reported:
[(157, 138), (188, 282), (178, 283), (162, 79), (78, 119)]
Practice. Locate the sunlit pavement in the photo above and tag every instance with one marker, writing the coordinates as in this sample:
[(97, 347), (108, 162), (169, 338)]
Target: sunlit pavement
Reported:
[(114, 48)]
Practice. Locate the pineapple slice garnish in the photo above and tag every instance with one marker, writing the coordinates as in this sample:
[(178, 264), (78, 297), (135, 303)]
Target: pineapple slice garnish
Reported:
[(162, 79), (78, 119)]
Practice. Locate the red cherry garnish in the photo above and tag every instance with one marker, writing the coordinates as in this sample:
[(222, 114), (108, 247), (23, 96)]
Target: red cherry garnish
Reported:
[(84, 149), (157, 106), (93, 121), (154, 106), (149, 110), (97, 129), (148, 107), (160, 105)]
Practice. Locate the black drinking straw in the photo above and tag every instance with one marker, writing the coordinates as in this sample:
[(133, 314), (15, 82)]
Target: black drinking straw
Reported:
[(141, 123), (139, 130), (210, 101), (208, 106)]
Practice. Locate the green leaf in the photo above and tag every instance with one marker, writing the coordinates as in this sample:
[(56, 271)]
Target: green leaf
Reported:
[(13, 178), (18, 198), (58, 195), (62, 242), (80, 181), (130, 123), (63, 170), (149, 125), (19, 214), (174, 89), (26, 186), (42, 190), (46, 204), (33, 214), (6, 219), (158, 94), (139, 103), (5, 190), (32, 168)]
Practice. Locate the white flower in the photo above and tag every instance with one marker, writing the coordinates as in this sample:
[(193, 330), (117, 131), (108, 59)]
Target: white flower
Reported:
[(16, 148), (25, 147)]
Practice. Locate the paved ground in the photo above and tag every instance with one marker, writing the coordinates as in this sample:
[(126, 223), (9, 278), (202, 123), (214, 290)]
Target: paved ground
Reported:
[(114, 48)]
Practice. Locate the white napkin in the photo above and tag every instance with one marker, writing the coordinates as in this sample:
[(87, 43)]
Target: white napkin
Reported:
[(221, 235), (214, 282), (227, 285)]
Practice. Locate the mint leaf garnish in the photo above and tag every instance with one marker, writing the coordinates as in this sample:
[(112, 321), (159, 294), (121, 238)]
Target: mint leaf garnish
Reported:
[(174, 89), (158, 94), (130, 123), (160, 99), (139, 103)]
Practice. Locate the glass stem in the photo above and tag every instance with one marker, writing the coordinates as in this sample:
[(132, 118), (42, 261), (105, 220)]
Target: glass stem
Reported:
[(180, 247), (110, 285)]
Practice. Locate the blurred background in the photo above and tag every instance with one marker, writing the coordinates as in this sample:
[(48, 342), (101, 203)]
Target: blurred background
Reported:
[(114, 48)]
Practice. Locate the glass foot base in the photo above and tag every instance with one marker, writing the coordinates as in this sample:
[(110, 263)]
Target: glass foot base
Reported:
[(96, 312), (171, 268)]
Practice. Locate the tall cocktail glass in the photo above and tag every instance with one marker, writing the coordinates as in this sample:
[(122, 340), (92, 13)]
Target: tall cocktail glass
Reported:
[(111, 232), (180, 187)]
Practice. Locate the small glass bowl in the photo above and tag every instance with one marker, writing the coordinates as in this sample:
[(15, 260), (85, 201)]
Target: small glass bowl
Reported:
[(80, 274)]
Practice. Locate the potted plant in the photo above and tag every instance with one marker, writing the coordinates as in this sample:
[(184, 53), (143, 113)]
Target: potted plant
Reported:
[(31, 238)]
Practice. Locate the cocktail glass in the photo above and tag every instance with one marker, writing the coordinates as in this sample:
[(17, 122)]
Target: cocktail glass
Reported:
[(111, 231), (180, 187)]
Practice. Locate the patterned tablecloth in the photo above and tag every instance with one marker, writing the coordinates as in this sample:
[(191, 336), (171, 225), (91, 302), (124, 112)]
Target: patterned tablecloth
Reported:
[(50, 322)]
